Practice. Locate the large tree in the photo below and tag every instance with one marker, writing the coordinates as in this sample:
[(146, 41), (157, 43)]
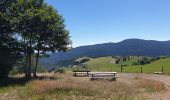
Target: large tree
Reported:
[(41, 28), (9, 46), (38, 27)]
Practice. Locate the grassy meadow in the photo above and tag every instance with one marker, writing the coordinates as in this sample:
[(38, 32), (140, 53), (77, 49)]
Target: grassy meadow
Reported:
[(105, 64)]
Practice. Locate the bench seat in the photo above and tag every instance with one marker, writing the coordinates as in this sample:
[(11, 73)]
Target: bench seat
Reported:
[(103, 75), (159, 73)]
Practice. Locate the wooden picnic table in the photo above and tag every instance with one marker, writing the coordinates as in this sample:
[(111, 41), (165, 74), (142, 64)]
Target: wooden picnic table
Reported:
[(103, 75), (81, 72)]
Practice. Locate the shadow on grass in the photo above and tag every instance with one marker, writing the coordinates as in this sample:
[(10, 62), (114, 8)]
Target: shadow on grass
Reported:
[(10, 81)]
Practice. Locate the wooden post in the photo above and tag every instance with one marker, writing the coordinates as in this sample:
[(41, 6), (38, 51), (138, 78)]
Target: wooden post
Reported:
[(162, 69), (141, 70), (75, 74), (121, 68)]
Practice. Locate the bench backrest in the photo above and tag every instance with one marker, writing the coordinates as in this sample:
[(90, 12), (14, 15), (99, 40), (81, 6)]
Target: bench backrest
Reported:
[(80, 71)]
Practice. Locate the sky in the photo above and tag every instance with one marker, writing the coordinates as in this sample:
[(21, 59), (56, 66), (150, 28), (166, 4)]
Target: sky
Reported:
[(101, 21)]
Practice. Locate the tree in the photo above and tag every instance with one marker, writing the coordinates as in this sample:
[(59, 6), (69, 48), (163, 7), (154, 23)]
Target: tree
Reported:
[(8, 43), (54, 37), (38, 27), (41, 28)]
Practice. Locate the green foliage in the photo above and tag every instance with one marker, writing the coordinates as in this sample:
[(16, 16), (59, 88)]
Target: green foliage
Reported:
[(42, 29), (80, 61), (61, 71), (6, 63), (41, 69), (9, 47), (44, 55), (37, 26), (146, 60), (85, 60)]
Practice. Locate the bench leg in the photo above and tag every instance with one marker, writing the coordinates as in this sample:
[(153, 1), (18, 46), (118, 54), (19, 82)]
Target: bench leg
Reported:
[(75, 74), (113, 79), (92, 79)]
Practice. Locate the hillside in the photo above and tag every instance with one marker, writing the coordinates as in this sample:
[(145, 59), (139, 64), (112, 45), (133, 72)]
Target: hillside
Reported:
[(127, 47), (104, 64)]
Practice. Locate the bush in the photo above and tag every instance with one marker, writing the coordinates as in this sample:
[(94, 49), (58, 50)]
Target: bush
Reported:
[(135, 63), (85, 60), (145, 60), (61, 71), (117, 61)]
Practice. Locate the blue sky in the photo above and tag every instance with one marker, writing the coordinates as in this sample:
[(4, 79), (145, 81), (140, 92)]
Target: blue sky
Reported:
[(100, 21)]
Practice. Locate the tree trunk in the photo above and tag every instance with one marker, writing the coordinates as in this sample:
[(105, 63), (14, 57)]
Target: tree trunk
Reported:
[(36, 64), (29, 57), (26, 66), (26, 58), (29, 65)]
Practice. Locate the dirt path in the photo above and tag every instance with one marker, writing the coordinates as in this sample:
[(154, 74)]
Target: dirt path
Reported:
[(165, 79)]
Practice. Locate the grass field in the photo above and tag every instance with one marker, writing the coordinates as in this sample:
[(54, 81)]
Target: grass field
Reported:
[(105, 64), (57, 86), (66, 87)]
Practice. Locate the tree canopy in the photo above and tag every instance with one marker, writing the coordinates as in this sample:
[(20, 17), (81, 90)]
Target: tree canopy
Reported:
[(38, 27)]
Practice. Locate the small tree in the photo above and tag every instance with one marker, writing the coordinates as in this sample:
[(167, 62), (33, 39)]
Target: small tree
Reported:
[(51, 33)]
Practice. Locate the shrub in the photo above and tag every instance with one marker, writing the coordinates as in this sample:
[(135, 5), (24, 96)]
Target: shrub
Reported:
[(84, 60), (145, 60), (61, 71)]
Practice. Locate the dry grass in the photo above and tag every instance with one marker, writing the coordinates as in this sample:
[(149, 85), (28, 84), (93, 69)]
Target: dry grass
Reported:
[(66, 87), (41, 86), (150, 85), (73, 87)]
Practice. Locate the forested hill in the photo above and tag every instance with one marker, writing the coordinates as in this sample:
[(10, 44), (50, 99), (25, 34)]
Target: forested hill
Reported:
[(127, 47)]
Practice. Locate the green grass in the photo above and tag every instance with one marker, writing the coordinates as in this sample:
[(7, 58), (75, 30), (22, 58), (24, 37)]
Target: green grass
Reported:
[(104, 64)]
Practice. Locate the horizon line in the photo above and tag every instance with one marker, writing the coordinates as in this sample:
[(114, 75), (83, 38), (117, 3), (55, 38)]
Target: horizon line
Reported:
[(121, 41)]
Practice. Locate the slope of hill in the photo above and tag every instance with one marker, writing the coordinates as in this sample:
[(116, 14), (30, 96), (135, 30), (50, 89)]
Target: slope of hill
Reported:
[(126, 47), (104, 64)]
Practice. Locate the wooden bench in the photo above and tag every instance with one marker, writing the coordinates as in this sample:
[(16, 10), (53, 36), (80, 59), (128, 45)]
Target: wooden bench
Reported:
[(81, 73), (159, 72), (103, 75)]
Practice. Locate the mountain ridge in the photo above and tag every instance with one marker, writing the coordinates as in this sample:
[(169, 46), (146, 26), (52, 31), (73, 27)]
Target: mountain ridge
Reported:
[(136, 47)]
